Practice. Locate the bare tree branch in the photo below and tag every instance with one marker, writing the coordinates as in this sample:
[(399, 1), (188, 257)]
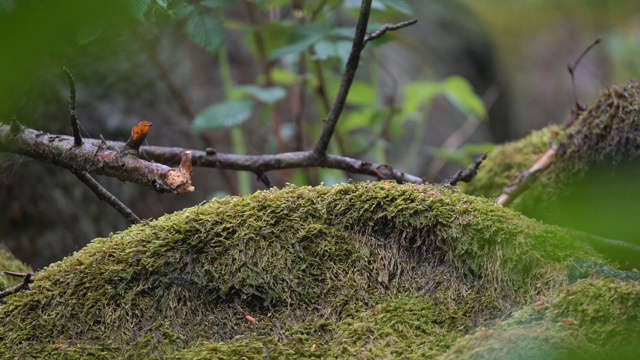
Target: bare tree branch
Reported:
[(322, 144), (468, 174), (93, 157), (388, 27), (577, 107), (106, 196), (72, 107), (27, 278)]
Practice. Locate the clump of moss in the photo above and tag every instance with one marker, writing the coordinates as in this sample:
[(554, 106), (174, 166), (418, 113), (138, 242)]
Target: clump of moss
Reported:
[(506, 160), (605, 135), (8, 262), (592, 319), (300, 262)]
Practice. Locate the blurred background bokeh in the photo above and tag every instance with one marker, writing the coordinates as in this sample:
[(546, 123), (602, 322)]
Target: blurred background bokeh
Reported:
[(427, 99)]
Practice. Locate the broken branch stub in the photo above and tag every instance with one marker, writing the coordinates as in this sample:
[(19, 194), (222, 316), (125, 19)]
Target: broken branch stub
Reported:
[(60, 150)]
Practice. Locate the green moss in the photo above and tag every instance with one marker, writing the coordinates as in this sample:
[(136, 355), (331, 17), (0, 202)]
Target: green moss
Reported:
[(506, 160), (8, 262), (593, 319), (309, 264), (608, 133)]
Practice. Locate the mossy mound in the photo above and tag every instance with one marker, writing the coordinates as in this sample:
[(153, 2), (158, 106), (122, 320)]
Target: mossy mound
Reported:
[(592, 319), (591, 185), (602, 141), (307, 265), (607, 132), (8, 262)]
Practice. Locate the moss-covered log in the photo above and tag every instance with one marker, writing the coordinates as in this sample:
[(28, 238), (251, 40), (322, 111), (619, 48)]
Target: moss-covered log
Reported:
[(363, 269)]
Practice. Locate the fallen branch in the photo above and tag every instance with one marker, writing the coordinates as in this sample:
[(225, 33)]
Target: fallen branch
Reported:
[(523, 180), (27, 278), (49, 147), (93, 157)]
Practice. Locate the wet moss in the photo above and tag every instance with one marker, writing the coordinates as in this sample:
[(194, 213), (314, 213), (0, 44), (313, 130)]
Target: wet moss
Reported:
[(308, 264), (592, 319)]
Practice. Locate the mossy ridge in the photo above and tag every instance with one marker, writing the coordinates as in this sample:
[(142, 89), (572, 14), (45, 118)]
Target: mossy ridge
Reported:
[(592, 319), (508, 159), (309, 256)]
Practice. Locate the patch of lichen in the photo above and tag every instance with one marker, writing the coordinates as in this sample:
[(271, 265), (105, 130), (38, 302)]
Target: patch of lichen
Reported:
[(302, 261), (592, 319), (8, 262), (506, 160)]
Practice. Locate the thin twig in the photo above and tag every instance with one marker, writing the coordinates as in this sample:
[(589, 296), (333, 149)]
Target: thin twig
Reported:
[(264, 179), (320, 150), (104, 195), (388, 27), (468, 174), (578, 108), (523, 180), (27, 279), (77, 139)]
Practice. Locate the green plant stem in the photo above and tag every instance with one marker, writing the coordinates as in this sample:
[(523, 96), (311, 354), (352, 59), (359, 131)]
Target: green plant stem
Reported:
[(237, 137)]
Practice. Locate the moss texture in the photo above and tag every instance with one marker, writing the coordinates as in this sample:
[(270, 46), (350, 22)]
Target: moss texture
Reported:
[(379, 269), (506, 160), (592, 319), (8, 262)]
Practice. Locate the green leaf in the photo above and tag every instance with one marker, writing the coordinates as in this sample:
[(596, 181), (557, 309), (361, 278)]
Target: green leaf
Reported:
[(302, 38), (418, 94), (7, 5), (162, 3), (478, 149), (326, 49), (206, 30), (284, 77), (362, 93), (140, 7), (88, 33), (222, 116), (457, 156), (265, 95), (460, 93), (356, 120), (400, 6), (219, 4)]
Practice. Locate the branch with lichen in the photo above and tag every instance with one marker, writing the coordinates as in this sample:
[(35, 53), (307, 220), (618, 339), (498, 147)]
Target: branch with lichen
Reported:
[(94, 157)]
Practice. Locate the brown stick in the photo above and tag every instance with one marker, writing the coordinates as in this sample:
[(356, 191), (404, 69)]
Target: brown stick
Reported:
[(92, 157)]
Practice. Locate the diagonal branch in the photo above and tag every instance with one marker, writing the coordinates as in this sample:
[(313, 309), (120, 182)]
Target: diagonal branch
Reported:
[(106, 196), (320, 150), (27, 278)]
